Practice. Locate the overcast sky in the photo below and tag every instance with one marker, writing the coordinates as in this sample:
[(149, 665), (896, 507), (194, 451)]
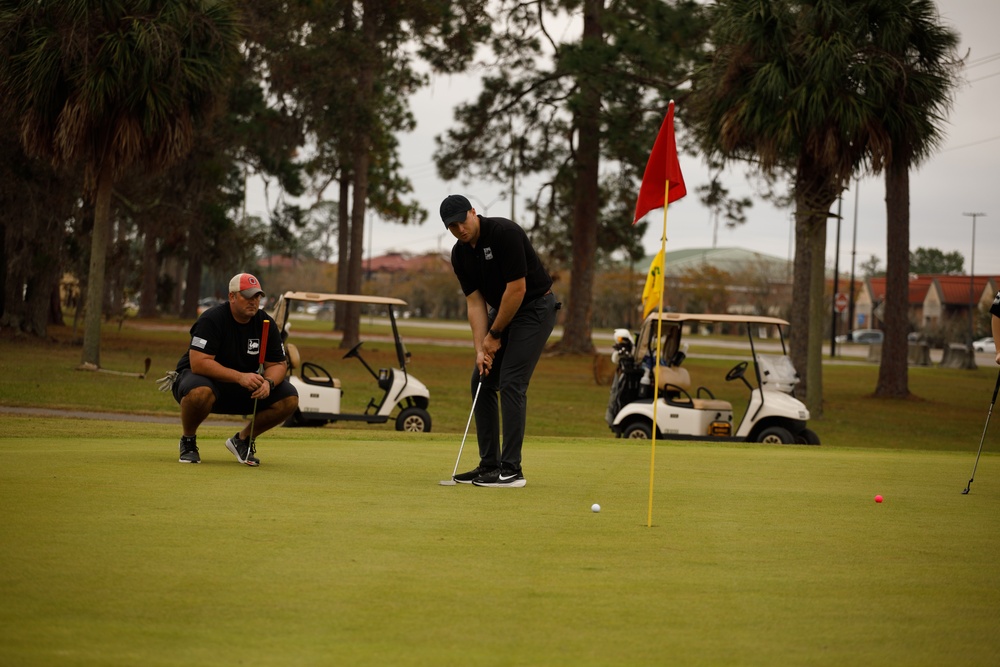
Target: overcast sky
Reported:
[(963, 177)]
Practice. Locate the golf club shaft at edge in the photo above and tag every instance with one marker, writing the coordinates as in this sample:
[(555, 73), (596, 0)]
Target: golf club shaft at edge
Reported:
[(981, 439)]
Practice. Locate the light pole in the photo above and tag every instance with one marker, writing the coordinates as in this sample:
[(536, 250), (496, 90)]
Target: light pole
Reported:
[(836, 282), (854, 252), (972, 277)]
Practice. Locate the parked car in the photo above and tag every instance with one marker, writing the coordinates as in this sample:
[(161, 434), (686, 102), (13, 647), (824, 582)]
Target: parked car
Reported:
[(985, 345), (861, 336)]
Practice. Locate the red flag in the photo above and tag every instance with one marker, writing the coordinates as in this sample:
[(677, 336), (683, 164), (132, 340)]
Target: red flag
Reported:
[(661, 168)]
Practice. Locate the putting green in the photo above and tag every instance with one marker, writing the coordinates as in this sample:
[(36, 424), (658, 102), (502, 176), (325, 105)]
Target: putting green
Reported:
[(343, 549)]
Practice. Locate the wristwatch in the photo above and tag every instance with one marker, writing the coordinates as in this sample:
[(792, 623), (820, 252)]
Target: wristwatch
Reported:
[(495, 334), (271, 382)]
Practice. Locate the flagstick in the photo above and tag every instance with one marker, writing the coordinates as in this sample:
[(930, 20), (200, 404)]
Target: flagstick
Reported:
[(656, 360)]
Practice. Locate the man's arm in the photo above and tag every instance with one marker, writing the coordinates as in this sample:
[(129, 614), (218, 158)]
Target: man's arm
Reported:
[(274, 371), (513, 296), (479, 323)]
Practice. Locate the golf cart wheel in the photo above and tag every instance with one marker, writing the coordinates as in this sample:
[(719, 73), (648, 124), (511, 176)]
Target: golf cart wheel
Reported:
[(807, 437), (776, 435), (415, 420), (638, 430)]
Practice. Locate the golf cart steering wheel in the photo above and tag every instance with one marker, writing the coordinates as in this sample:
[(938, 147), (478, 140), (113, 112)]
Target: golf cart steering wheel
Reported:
[(737, 371), (354, 350)]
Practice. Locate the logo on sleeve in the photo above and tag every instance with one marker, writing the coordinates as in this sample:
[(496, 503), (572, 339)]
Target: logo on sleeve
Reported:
[(198, 342), (253, 346)]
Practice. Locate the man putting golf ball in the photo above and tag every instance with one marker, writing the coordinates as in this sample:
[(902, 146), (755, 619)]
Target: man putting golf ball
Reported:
[(511, 311)]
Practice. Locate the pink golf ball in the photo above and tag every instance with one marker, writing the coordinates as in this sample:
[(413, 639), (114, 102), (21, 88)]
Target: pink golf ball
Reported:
[(878, 499)]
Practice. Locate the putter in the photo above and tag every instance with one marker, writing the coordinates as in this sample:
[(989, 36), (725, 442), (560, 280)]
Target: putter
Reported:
[(260, 371), (452, 482), (988, 414), (142, 375)]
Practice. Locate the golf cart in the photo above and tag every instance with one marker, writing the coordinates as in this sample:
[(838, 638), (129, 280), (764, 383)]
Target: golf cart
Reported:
[(773, 415), (320, 392)]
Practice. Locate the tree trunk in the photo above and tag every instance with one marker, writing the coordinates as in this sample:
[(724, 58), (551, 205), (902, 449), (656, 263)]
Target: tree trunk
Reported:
[(4, 262), (893, 372), (55, 315), (150, 271), (814, 195), (192, 279), (577, 337), (817, 315), (343, 250), (798, 318), (355, 268), (361, 159), (95, 274)]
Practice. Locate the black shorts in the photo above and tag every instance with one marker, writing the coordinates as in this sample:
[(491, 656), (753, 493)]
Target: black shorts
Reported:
[(230, 398)]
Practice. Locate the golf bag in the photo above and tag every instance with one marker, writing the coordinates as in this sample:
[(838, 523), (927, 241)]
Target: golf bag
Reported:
[(626, 386)]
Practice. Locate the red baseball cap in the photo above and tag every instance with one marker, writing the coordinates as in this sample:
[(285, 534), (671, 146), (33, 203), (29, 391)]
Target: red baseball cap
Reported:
[(245, 284)]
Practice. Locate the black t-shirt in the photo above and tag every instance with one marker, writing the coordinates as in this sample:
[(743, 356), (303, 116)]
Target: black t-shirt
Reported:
[(503, 253), (234, 345), (995, 308)]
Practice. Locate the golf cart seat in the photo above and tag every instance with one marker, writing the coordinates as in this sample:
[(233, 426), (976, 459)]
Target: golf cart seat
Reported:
[(309, 372), (672, 378)]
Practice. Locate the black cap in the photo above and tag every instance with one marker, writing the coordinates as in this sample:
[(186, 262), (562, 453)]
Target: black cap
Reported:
[(454, 209)]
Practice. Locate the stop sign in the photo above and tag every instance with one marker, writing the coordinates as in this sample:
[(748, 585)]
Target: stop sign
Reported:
[(840, 302)]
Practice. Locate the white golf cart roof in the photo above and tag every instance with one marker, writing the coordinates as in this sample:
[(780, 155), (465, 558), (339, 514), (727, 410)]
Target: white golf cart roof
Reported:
[(320, 297), (673, 324), (712, 317), (281, 311)]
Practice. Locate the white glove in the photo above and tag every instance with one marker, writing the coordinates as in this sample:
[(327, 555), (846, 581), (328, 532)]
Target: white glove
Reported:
[(166, 383)]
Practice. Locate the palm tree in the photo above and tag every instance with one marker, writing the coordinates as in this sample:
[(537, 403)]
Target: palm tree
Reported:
[(113, 85), (914, 72), (779, 90)]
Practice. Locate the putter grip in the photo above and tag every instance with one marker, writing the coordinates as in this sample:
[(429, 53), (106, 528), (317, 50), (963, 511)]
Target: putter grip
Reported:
[(263, 342)]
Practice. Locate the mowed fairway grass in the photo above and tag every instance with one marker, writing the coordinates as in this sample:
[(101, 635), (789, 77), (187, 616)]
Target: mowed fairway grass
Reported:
[(342, 549)]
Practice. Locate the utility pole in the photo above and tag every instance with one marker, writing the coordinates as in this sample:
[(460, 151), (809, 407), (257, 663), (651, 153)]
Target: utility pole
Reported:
[(836, 283), (854, 252), (972, 277)]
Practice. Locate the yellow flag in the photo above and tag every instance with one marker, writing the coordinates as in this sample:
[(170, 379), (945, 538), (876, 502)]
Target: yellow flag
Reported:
[(654, 285)]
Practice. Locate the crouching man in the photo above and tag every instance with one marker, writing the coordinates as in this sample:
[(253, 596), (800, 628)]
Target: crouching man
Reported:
[(218, 373)]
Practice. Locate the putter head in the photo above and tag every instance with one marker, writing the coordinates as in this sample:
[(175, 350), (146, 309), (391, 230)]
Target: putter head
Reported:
[(966, 491), (448, 482)]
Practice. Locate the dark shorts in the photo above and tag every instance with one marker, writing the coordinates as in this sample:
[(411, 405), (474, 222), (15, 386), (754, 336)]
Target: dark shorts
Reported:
[(230, 398)]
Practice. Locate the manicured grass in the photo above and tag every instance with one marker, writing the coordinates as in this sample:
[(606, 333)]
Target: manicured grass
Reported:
[(342, 549)]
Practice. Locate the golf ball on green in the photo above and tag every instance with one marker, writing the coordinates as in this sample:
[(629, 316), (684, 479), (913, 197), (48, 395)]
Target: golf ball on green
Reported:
[(595, 508)]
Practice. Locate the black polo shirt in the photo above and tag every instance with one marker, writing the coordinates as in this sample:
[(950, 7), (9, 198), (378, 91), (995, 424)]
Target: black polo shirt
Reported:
[(217, 333), (503, 253)]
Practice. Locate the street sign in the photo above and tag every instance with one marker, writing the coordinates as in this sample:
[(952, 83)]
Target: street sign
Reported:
[(840, 302)]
